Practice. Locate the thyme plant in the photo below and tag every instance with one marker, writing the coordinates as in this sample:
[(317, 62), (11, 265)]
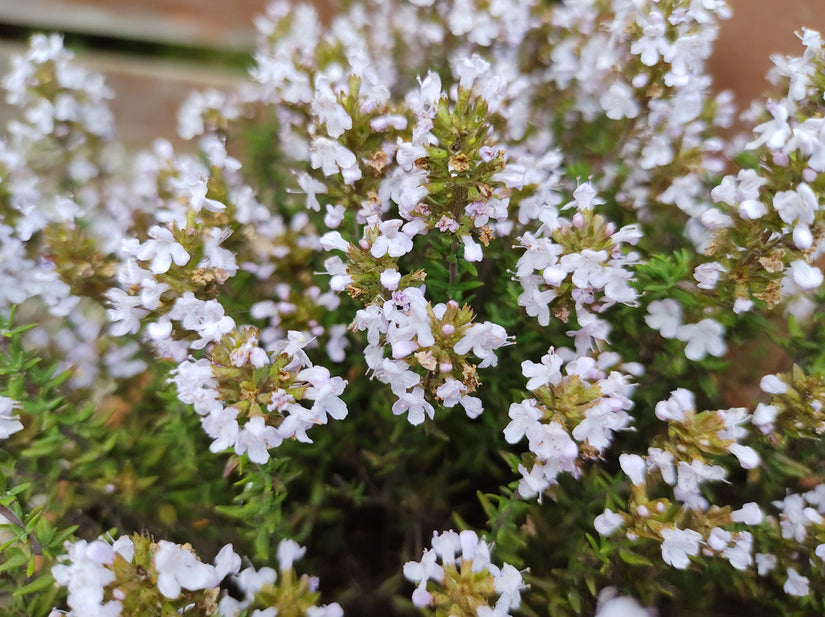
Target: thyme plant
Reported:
[(471, 308)]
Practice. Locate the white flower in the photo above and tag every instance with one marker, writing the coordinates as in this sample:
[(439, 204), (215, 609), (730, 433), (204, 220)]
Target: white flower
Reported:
[(796, 585), (749, 513), (9, 424), (483, 339), (255, 438), (447, 545), (293, 346), (327, 109), (227, 562), (179, 568), (390, 279), (391, 241), (751, 209), (86, 577), (765, 563), (124, 314), (748, 458), (719, 538), (211, 324), (610, 604), (739, 553), (708, 274), (678, 545), (587, 268), (742, 305), (805, 275), (414, 404), (333, 158), (703, 338), (619, 101), (607, 522), (553, 447), (634, 466), (523, 416), (546, 373), (222, 426), (427, 568), (509, 583), (674, 408), (162, 249), (450, 392), (289, 552), (663, 461), (472, 249), (796, 206), (535, 301), (664, 316), (512, 176), (690, 477), (599, 423), (775, 132), (764, 416), (796, 517), (772, 384)]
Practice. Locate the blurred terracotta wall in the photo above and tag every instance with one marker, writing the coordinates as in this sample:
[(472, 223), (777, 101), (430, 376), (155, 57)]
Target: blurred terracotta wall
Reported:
[(758, 29), (150, 89)]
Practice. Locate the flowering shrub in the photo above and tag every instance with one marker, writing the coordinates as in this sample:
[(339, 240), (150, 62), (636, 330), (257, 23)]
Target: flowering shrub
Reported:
[(506, 253)]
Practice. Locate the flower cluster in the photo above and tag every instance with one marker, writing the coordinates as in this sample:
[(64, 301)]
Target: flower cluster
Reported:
[(577, 264), (239, 382), (685, 461), (134, 575), (795, 406), (572, 417), (768, 222), (465, 583), (433, 340)]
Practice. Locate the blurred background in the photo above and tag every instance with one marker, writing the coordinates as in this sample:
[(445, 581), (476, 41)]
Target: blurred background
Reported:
[(153, 52)]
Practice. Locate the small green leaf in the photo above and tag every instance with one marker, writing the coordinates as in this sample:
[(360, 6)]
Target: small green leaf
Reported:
[(39, 584), (634, 559)]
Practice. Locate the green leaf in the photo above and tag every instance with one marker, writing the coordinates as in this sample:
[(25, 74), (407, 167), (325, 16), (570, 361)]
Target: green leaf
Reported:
[(13, 563), (575, 600), (634, 559), (39, 584)]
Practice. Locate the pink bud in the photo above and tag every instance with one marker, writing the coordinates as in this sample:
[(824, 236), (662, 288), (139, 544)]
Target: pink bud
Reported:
[(447, 329), (364, 244), (809, 175), (578, 220), (445, 367), (781, 159), (610, 228)]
